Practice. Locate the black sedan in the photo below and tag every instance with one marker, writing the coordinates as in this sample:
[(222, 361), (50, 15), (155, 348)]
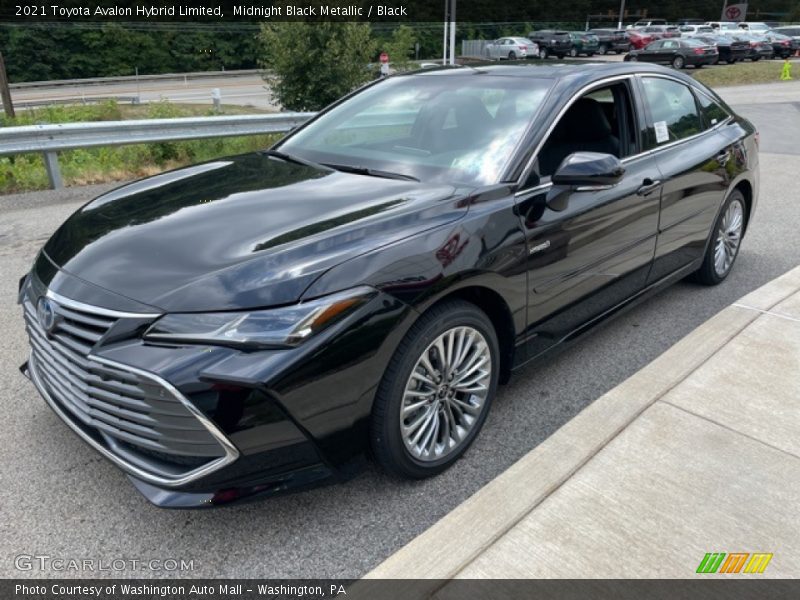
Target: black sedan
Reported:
[(263, 322), (677, 53), (759, 46), (611, 40), (729, 50), (783, 46)]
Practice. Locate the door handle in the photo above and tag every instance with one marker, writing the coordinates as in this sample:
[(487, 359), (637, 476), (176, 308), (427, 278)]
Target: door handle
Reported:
[(648, 186)]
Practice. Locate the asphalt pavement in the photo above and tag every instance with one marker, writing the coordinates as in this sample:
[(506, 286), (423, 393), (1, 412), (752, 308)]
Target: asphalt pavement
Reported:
[(57, 497), (243, 90)]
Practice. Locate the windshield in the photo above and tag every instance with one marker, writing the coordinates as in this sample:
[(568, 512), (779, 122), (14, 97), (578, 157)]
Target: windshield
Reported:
[(447, 127)]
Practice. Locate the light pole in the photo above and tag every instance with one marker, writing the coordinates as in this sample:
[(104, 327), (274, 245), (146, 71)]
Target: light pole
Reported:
[(453, 32), (449, 31), (444, 37), (621, 13)]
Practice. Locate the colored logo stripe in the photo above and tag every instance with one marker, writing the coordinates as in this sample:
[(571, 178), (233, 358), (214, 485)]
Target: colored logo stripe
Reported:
[(713, 562), (710, 562)]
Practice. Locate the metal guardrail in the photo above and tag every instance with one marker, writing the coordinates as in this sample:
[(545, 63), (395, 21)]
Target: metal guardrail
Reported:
[(76, 100), (133, 78), (52, 138)]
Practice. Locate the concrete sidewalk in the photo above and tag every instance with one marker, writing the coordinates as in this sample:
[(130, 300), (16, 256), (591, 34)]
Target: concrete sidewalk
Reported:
[(698, 452)]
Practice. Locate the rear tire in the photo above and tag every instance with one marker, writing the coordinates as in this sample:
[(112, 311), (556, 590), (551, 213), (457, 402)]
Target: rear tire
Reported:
[(512, 56), (602, 50), (573, 53), (418, 397), (726, 239)]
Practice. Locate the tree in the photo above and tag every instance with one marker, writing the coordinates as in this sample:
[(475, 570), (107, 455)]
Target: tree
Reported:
[(310, 65), (400, 47)]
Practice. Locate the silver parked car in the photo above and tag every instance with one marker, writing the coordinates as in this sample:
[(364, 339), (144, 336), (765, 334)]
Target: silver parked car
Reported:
[(511, 48)]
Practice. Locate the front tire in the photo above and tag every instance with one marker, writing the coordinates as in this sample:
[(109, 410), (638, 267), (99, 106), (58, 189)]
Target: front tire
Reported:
[(678, 62), (543, 53), (725, 242), (436, 392)]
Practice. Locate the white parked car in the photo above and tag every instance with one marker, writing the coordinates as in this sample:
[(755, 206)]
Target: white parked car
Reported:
[(511, 48), (724, 27), (754, 27), (691, 30)]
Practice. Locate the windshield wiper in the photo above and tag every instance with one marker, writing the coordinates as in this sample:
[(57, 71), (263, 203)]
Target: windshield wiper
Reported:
[(371, 172), (292, 158)]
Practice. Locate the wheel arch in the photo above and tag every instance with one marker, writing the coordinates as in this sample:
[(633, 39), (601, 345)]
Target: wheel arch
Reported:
[(499, 313)]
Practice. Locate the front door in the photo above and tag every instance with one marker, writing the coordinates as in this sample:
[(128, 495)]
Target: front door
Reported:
[(587, 259)]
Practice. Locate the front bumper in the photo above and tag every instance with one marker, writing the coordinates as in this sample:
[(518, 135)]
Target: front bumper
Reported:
[(198, 426)]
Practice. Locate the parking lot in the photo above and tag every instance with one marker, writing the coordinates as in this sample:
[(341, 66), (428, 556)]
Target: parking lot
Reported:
[(59, 498)]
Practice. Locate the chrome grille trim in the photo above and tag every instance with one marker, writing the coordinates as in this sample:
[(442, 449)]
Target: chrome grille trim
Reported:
[(120, 403)]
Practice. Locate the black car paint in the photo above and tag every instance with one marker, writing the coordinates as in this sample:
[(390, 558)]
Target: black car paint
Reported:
[(557, 43), (189, 240), (655, 53)]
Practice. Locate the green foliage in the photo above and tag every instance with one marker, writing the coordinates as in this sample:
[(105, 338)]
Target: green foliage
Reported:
[(45, 51), (311, 65), (400, 47)]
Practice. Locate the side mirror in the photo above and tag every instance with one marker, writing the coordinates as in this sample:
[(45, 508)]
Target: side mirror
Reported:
[(583, 172)]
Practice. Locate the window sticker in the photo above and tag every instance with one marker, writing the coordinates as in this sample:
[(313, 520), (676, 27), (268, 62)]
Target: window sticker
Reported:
[(662, 134)]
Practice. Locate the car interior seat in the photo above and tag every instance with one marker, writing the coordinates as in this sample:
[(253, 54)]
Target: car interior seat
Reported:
[(584, 127)]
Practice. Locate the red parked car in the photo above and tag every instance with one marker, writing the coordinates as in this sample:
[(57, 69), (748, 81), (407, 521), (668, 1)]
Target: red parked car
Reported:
[(638, 39)]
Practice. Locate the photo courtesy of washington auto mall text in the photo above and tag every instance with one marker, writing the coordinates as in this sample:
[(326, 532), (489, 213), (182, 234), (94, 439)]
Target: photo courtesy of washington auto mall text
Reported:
[(399, 299)]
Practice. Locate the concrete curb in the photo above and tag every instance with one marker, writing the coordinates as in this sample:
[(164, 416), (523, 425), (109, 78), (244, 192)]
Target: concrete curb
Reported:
[(448, 546)]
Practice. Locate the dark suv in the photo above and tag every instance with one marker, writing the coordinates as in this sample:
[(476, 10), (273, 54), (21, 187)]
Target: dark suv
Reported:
[(611, 40), (552, 42)]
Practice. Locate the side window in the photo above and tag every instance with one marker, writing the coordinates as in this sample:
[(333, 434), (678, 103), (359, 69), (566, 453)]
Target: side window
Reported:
[(713, 113), (600, 121), (672, 109)]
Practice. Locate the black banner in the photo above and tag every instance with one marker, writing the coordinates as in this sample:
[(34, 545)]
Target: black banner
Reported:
[(256, 11), (729, 588)]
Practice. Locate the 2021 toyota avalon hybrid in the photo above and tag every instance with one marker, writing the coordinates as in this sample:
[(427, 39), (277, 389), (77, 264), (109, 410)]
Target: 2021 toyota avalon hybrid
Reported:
[(262, 322)]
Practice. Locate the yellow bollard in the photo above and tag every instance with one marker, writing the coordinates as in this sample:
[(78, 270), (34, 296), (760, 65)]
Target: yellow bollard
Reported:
[(786, 73)]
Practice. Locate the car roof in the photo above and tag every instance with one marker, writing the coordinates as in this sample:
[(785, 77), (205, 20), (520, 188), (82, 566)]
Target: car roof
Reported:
[(580, 73)]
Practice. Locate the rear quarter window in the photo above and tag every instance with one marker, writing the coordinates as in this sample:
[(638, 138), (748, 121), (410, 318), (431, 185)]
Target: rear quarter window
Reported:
[(673, 111), (713, 114)]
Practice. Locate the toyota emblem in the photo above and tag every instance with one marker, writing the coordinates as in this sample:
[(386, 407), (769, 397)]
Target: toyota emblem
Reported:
[(46, 314)]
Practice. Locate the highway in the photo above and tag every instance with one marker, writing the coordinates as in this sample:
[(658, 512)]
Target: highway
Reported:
[(243, 90), (58, 497)]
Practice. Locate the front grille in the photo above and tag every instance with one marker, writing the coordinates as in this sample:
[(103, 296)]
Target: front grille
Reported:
[(142, 421)]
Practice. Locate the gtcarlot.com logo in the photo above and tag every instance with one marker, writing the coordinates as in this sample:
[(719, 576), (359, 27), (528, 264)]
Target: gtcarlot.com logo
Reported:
[(45, 562)]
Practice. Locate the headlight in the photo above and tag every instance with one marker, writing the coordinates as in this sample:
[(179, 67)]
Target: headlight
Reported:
[(270, 328)]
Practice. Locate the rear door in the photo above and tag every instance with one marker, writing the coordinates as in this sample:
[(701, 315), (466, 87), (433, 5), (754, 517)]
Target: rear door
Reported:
[(693, 154), (651, 52), (587, 259)]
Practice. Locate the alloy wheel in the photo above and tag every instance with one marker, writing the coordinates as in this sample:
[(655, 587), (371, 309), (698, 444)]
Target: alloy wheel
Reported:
[(729, 236), (446, 393)]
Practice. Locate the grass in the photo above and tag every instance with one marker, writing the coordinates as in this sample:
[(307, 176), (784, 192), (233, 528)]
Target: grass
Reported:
[(26, 172), (743, 73)]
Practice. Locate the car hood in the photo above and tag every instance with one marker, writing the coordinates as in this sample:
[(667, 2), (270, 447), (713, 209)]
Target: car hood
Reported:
[(242, 232)]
